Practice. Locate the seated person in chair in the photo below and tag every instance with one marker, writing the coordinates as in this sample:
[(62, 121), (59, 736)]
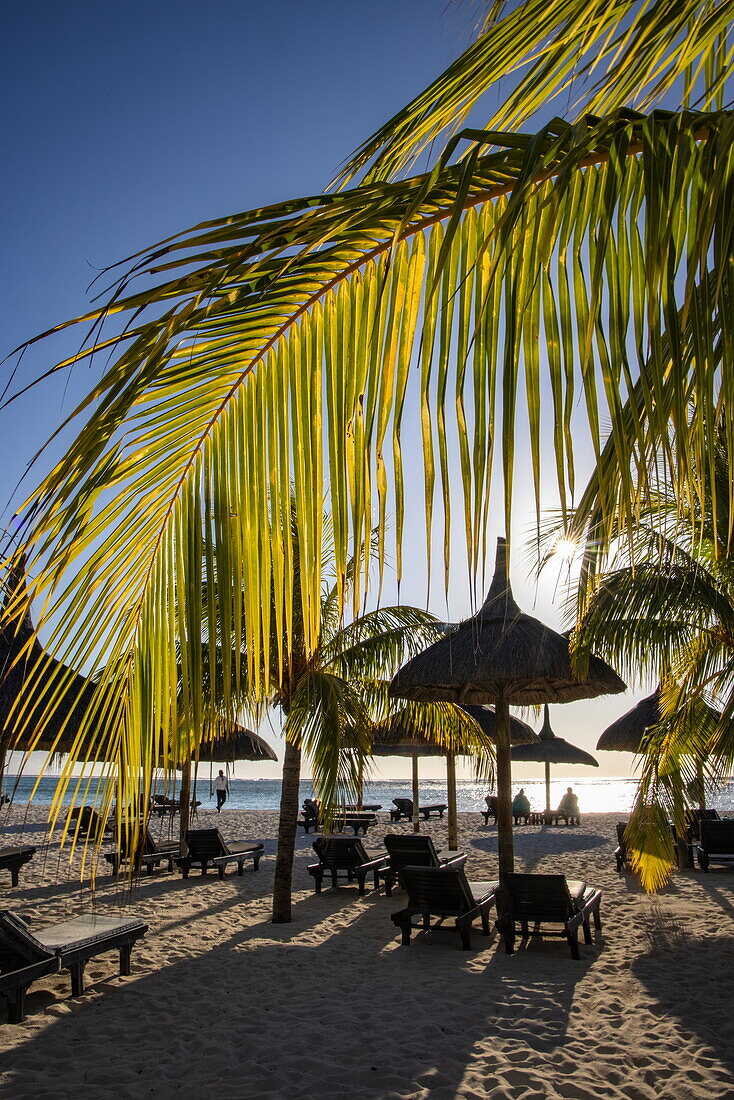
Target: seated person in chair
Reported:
[(520, 805), (568, 807)]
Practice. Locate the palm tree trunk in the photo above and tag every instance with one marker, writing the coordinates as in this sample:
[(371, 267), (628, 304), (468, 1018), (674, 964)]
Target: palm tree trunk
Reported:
[(547, 787), (289, 796), (451, 784), (504, 787)]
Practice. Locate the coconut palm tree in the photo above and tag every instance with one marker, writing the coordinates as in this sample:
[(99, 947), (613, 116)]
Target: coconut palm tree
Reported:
[(261, 349), (665, 605)]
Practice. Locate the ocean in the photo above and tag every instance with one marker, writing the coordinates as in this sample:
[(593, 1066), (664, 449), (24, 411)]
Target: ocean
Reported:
[(595, 795)]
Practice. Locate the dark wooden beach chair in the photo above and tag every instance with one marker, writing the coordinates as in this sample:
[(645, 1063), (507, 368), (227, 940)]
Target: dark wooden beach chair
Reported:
[(162, 806), (716, 842), (149, 852), (311, 816), (208, 848), (26, 954), (491, 810), (344, 856), (404, 808), (695, 815), (548, 899), (620, 852), (357, 820), (12, 859), (411, 850), (84, 823), (444, 892)]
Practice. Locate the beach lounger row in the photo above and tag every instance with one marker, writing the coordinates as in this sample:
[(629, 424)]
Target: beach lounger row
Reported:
[(27, 955), (357, 820), (207, 849), (440, 889)]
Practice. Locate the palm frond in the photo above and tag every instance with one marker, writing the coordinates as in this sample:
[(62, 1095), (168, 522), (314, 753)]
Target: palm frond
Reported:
[(598, 55)]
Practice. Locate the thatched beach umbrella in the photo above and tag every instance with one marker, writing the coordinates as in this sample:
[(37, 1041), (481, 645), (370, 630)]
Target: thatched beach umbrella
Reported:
[(227, 748), (403, 735), (61, 697), (505, 657), (550, 749), (628, 733), (520, 732), (241, 744)]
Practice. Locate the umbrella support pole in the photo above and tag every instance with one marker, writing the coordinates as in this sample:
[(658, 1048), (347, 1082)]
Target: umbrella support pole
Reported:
[(360, 785), (416, 814), (185, 799), (504, 786), (547, 787), (453, 829)]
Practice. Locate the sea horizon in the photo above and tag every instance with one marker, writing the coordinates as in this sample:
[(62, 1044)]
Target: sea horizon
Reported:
[(597, 795)]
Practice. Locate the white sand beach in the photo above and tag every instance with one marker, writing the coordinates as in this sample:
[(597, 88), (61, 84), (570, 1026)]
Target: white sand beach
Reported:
[(222, 1003)]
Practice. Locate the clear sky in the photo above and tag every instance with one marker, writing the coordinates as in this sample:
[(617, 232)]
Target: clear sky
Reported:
[(123, 123)]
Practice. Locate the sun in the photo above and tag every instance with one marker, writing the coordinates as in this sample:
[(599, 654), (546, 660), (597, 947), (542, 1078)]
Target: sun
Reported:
[(566, 548)]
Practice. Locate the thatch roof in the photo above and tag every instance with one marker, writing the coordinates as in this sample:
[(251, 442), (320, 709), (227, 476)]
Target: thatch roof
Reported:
[(520, 732), (550, 749), (501, 650), (61, 695), (242, 744), (627, 733), (398, 741)]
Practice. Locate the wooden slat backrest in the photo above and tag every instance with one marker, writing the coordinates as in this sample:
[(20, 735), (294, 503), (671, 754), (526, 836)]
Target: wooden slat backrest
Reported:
[(539, 897), (442, 891), (340, 853), (717, 836), (405, 805), (18, 941), (205, 843), (411, 851), (621, 826)]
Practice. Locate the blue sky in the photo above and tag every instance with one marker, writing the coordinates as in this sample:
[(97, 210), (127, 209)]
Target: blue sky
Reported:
[(125, 123)]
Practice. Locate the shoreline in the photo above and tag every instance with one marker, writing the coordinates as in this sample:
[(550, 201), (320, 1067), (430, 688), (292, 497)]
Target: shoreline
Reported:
[(220, 999)]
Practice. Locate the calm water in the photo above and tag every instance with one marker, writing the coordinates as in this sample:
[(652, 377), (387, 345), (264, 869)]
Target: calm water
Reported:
[(595, 795)]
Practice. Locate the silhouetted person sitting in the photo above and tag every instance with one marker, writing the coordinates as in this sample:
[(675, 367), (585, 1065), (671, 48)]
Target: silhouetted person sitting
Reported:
[(521, 806), (568, 807)]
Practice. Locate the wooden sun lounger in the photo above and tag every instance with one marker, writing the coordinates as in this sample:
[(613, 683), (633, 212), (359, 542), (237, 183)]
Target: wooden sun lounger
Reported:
[(357, 820), (716, 843), (404, 808), (491, 811), (549, 899), (15, 983), (208, 848), (411, 850), (444, 892), (344, 856), (149, 855), (12, 859), (89, 821), (70, 944)]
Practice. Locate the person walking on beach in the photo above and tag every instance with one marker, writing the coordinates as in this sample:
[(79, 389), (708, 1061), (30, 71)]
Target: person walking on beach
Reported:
[(221, 786)]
